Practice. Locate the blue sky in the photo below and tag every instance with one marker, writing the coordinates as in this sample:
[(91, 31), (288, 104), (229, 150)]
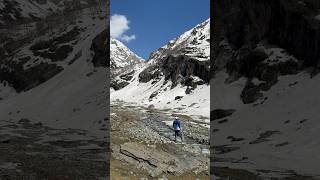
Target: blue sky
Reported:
[(153, 23)]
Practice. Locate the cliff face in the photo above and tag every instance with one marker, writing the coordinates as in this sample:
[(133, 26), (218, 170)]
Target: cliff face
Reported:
[(100, 48), (290, 24), (265, 39)]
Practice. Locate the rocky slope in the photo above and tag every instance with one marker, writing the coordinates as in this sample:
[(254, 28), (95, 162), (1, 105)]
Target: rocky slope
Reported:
[(265, 66), (176, 75), (54, 89), (143, 141)]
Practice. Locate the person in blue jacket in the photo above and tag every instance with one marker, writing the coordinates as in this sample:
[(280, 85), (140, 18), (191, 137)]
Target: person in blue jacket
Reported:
[(177, 128)]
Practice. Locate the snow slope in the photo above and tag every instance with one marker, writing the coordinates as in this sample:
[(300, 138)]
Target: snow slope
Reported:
[(75, 97), (196, 104), (279, 131)]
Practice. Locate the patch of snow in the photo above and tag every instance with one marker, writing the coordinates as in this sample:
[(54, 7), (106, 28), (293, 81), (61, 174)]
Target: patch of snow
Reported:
[(284, 112), (276, 55)]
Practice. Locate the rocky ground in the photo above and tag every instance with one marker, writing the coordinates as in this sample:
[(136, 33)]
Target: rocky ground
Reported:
[(143, 147), (34, 151)]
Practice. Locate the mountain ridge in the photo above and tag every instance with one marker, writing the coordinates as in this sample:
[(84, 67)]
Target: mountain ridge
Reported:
[(176, 73)]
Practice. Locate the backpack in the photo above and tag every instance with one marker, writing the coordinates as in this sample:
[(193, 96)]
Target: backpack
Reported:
[(176, 125)]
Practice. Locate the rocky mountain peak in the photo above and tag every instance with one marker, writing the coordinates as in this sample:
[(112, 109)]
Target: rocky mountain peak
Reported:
[(194, 43), (121, 56)]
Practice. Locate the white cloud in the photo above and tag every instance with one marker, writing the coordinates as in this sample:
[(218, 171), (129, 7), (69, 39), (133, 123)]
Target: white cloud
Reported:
[(128, 38), (119, 24)]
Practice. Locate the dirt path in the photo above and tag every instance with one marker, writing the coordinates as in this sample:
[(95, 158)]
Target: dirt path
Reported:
[(142, 141)]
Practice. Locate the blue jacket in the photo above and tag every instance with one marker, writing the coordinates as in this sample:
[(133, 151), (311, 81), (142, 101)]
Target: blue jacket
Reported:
[(176, 124)]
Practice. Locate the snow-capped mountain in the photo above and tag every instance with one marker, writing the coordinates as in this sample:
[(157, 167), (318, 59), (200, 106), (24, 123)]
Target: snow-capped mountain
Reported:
[(175, 76), (121, 56), (264, 116), (194, 43)]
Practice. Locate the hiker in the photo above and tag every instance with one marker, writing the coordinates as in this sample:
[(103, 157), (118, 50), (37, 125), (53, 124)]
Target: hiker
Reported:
[(177, 128)]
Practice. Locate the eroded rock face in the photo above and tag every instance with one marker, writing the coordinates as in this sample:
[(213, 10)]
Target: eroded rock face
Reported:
[(178, 69), (149, 73), (100, 48), (183, 66), (290, 24), (54, 49)]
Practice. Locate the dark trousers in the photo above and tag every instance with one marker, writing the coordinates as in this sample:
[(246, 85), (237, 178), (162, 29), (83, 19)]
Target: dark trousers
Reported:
[(177, 133)]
